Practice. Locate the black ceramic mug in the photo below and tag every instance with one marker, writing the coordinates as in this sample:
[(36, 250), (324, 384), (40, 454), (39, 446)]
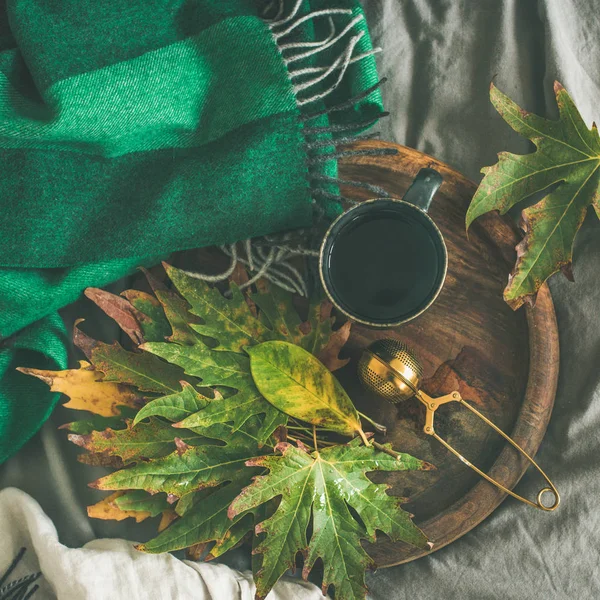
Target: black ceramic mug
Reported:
[(384, 261)]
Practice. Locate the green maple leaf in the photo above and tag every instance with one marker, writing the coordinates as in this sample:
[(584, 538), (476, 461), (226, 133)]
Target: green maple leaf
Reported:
[(568, 157), (178, 314), (185, 503), (190, 403), (174, 407), (236, 409), (198, 360), (141, 369), (221, 369), (229, 321), (321, 486), (140, 501), (190, 468), (152, 439), (191, 410), (204, 522)]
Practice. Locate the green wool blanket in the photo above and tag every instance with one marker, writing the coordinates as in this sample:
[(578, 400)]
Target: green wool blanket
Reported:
[(132, 129)]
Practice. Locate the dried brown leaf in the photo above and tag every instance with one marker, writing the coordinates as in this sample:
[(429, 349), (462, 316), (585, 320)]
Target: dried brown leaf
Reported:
[(329, 356), (120, 310)]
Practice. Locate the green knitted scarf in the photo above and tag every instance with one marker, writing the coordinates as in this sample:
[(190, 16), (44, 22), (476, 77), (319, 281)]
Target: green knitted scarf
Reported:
[(134, 129)]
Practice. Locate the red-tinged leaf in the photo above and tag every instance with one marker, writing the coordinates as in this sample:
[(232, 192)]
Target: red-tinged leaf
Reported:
[(83, 341), (121, 311), (100, 460), (155, 283), (151, 439), (329, 355), (175, 407)]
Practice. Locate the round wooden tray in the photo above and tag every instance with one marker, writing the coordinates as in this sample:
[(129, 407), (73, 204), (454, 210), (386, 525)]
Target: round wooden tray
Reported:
[(504, 362)]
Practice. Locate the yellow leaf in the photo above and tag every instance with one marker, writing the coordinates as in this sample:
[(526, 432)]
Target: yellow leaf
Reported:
[(107, 510), (86, 390), (168, 516)]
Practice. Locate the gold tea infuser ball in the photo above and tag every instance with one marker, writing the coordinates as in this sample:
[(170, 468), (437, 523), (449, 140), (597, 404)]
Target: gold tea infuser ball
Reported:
[(391, 369)]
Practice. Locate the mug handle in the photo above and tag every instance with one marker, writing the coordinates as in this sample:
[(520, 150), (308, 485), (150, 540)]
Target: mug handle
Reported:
[(423, 188)]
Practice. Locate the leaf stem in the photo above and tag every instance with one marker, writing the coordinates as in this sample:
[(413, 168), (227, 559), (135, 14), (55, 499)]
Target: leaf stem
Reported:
[(387, 450), (301, 437), (304, 437), (315, 438), (378, 426), (363, 437)]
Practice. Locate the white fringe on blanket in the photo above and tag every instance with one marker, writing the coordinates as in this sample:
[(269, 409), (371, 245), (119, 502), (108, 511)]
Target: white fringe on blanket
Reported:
[(272, 257)]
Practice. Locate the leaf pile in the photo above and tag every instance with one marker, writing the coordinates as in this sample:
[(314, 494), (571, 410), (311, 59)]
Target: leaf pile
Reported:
[(194, 419), (567, 160)]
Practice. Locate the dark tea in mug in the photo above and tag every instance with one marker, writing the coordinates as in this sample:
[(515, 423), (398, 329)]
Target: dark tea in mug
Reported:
[(384, 262), (385, 266)]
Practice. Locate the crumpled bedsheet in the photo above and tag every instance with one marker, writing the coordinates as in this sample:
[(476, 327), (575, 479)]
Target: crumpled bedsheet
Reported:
[(439, 57)]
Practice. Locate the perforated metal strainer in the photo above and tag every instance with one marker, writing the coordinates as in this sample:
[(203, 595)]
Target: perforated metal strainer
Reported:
[(391, 369)]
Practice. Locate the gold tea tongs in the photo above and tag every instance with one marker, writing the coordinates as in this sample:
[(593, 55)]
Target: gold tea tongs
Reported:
[(391, 369)]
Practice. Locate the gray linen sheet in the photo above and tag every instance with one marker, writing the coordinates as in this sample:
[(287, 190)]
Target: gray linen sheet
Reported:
[(440, 56)]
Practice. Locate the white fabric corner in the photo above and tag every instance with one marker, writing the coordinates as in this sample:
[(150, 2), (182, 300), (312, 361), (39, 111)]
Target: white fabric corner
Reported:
[(112, 569)]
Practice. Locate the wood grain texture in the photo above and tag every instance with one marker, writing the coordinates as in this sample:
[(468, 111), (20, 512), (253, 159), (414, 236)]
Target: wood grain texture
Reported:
[(504, 362)]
